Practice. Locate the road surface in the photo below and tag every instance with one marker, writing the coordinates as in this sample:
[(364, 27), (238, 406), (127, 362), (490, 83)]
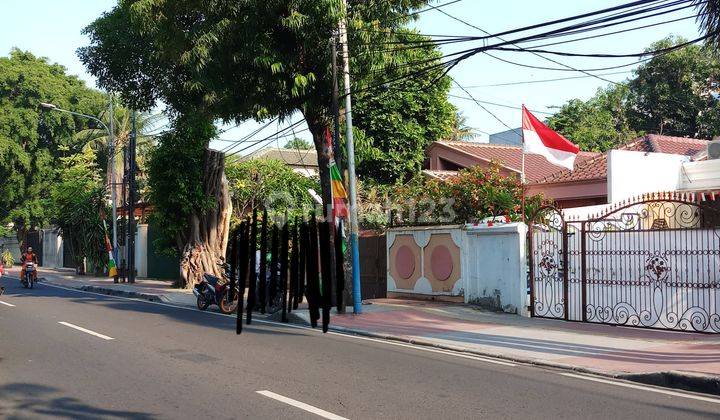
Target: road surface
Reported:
[(71, 354)]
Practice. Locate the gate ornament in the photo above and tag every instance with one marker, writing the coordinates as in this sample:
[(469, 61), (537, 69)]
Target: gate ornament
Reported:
[(657, 267)]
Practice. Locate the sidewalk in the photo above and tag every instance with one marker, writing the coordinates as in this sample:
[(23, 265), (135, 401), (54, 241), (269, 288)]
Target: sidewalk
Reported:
[(683, 360), (152, 290)]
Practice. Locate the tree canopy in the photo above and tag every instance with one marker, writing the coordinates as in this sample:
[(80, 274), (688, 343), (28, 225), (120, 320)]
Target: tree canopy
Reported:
[(669, 94), (298, 143), (235, 60), (394, 125), (269, 182), (33, 141)]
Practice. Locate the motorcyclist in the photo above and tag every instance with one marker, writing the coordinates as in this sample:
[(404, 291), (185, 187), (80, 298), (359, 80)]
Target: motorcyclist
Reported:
[(28, 256)]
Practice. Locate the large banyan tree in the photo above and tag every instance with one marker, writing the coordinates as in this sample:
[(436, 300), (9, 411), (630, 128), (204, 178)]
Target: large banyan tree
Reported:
[(230, 60)]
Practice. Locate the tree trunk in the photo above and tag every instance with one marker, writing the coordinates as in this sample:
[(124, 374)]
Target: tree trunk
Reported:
[(318, 127), (205, 243)]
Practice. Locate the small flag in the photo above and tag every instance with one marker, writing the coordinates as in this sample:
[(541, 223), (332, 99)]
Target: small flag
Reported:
[(339, 194), (541, 140), (112, 268)]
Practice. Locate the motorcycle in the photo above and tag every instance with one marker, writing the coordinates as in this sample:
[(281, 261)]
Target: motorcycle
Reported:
[(216, 291), (29, 279)]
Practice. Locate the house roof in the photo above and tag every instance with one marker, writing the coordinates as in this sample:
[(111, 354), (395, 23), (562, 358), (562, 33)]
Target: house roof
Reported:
[(291, 157), (510, 157), (596, 167), (438, 174)]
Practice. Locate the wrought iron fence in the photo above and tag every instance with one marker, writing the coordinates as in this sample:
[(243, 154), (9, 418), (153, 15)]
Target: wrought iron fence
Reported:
[(652, 262)]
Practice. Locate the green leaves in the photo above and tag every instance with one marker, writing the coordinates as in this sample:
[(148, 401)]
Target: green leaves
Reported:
[(395, 125), (77, 201), (33, 141), (670, 94), (271, 184)]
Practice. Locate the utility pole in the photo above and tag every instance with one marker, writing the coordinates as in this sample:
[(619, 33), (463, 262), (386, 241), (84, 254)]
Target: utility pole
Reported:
[(354, 247), (131, 201), (336, 102)]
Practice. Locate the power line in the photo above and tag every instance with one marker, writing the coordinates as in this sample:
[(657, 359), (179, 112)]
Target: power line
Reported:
[(526, 82), (493, 103)]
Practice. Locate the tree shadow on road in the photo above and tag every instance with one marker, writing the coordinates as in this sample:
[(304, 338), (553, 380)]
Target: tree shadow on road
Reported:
[(25, 400)]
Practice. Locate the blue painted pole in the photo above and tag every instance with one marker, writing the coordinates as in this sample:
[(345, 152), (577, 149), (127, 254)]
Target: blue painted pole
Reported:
[(354, 247)]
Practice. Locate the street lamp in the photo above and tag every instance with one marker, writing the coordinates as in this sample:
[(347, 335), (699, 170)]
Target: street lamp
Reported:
[(111, 148)]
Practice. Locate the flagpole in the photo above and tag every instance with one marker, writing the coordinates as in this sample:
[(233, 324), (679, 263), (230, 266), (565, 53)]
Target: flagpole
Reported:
[(522, 175)]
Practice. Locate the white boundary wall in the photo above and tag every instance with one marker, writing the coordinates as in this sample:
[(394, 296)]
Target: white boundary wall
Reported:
[(492, 261)]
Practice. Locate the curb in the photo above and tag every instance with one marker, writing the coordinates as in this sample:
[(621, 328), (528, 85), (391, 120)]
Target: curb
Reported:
[(693, 382), (123, 293), (112, 292)]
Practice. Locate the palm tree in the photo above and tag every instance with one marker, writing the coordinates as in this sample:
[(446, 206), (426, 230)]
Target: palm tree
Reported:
[(148, 125), (709, 19), (461, 131)]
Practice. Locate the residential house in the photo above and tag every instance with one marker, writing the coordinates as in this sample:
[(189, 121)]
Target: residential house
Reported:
[(447, 157), (598, 178), (304, 162), (611, 177)]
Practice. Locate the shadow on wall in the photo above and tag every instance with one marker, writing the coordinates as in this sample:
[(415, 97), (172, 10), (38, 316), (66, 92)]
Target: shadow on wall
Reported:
[(24, 400)]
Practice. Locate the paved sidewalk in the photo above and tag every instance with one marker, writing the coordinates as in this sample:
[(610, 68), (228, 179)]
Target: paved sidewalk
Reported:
[(152, 290), (686, 360)]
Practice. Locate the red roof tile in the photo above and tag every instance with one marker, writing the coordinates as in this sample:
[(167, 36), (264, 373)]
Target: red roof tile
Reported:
[(536, 166), (596, 168)]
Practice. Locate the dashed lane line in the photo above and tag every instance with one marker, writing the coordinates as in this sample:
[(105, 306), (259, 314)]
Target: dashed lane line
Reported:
[(301, 405), (85, 330)]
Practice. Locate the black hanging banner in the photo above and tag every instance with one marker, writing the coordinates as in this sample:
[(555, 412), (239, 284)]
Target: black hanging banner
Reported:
[(292, 300), (313, 278), (284, 248), (263, 263), (302, 263), (274, 259), (327, 273), (340, 268), (243, 250), (233, 244), (252, 278)]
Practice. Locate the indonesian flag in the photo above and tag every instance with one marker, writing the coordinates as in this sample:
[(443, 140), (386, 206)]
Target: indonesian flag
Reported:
[(539, 139)]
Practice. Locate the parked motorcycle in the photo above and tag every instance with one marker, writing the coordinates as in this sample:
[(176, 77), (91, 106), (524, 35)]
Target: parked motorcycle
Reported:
[(216, 291), (29, 279)]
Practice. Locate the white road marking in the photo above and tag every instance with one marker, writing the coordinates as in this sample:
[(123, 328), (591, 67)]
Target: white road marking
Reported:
[(85, 330), (7, 304), (642, 387), (301, 405)]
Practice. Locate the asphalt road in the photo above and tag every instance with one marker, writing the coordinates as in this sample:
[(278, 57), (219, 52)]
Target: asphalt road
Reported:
[(70, 354)]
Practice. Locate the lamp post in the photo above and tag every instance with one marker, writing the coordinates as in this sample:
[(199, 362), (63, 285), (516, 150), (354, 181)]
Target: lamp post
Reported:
[(111, 154)]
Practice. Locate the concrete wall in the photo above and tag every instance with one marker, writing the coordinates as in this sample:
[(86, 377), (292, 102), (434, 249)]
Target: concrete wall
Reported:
[(425, 260), (485, 265), (52, 248), (631, 174), (495, 267), (702, 175), (11, 243), (141, 250)]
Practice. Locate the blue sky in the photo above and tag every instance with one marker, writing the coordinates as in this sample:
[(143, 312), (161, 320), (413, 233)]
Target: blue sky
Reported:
[(51, 28)]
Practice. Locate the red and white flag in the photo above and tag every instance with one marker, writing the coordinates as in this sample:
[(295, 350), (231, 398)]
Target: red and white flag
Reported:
[(539, 139)]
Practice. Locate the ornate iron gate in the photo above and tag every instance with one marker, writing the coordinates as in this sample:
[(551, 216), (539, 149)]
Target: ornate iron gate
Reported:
[(653, 262), (548, 260)]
